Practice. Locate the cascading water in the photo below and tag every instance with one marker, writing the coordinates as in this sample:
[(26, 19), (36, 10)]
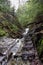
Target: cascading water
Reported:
[(23, 46), (8, 42), (26, 31)]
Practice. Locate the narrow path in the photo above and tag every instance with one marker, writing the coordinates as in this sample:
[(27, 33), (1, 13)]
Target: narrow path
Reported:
[(29, 52)]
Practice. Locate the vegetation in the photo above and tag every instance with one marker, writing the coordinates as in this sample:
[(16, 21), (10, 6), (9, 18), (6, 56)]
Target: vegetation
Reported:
[(8, 19), (13, 23), (32, 11), (29, 11)]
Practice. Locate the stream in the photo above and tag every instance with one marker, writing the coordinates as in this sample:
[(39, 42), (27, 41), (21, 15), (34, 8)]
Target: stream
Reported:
[(9, 45)]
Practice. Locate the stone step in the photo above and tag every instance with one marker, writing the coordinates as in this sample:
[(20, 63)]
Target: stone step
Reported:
[(28, 47), (29, 42), (28, 39), (30, 53)]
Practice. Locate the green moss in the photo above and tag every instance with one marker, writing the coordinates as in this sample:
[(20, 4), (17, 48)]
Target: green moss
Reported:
[(40, 46), (2, 33)]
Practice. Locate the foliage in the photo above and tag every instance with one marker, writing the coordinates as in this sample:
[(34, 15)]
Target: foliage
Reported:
[(40, 46), (28, 12), (8, 18), (13, 23), (4, 5), (2, 32), (32, 11)]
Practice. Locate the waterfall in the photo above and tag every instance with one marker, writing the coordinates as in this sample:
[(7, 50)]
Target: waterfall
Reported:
[(26, 31), (13, 45)]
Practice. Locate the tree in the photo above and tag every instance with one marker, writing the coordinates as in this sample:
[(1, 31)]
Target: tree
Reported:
[(32, 11), (28, 12), (4, 5), (8, 19)]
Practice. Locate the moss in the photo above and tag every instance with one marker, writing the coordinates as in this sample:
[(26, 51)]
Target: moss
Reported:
[(2, 33), (40, 47)]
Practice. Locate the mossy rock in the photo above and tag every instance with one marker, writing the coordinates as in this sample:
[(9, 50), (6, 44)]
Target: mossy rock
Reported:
[(2, 33), (40, 46)]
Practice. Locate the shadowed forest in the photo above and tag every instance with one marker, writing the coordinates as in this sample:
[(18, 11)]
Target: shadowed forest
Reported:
[(28, 15)]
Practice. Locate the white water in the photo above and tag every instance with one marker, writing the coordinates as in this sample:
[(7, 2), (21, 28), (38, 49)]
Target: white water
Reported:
[(26, 31), (8, 42), (18, 44)]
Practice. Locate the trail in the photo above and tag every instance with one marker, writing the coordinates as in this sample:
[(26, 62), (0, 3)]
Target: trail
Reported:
[(24, 48)]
